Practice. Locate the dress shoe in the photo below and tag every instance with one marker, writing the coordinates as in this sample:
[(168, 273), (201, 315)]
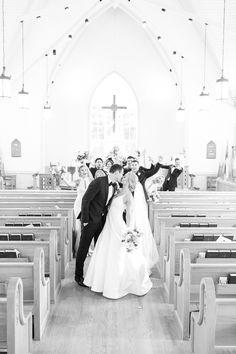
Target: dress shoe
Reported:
[(80, 282)]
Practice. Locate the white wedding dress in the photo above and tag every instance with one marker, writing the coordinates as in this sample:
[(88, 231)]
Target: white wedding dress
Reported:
[(113, 271), (148, 245)]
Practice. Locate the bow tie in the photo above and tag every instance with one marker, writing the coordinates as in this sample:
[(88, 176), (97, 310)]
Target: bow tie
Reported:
[(112, 184)]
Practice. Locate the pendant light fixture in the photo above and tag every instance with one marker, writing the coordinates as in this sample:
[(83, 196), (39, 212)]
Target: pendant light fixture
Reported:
[(5, 81), (23, 96), (222, 84), (204, 96), (180, 114), (47, 107)]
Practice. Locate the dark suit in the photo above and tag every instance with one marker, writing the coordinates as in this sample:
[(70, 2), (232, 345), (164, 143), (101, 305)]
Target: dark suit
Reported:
[(144, 173), (93, 212), (93, 170), (126, 170), (170, 182)]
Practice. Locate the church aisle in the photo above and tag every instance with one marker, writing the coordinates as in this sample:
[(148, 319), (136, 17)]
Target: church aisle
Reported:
[(86, 323)]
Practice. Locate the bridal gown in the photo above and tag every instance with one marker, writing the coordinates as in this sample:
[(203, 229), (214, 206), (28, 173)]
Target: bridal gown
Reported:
[(148, 244), (113, 271)]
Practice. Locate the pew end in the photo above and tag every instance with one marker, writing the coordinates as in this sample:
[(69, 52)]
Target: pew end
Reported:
[(213, 328), (15, 325)]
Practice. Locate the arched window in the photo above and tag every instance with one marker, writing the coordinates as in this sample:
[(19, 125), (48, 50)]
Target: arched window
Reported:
[(113, 117)]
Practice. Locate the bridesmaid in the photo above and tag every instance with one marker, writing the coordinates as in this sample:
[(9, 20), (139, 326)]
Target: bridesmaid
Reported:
[(85, 177)]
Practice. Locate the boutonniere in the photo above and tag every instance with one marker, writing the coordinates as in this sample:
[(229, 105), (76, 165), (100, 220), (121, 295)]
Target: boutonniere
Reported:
[(139, 173)]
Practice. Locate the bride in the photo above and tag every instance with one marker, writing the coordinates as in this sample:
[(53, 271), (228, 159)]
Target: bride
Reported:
[(113, 271)]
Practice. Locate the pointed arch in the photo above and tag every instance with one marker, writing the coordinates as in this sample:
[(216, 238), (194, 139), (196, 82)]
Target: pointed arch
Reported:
[(113, 116)]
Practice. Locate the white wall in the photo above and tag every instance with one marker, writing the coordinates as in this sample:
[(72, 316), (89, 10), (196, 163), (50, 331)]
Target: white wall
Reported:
[(125, 49), (113, 43)]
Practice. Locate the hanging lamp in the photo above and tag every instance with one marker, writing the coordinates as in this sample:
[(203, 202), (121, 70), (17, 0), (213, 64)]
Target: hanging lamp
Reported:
[(23, 96), (180, 114), (204, 96), (222, 84), (5, 81), (47, 107)]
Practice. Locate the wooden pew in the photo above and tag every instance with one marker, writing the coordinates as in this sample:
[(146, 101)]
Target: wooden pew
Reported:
[(171, 260), (213, 327), (214, 210), (196, 194), (15, 324), (43, 233), (199, 204), (220, 213), (36, 287), (180, 234), (52, 259), (34, 203), (53, 212), (63, 194), (162, 223), (186, 292)]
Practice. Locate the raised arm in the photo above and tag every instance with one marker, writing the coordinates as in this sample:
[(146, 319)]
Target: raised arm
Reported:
[(166, 166), (152, 171)]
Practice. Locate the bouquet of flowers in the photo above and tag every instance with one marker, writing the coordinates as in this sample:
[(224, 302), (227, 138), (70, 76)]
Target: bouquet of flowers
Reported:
[(131, 239), (82, 155), (116, 156), (57, 171), (153, 196)]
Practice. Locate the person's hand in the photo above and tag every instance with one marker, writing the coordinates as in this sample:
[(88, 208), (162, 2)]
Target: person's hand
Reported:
[(85, 223)]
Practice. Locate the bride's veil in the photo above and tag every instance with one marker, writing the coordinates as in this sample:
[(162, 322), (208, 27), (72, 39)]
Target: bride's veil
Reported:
[(140, 207)]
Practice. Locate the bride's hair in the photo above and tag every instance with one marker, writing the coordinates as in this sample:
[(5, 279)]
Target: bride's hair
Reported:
[(131, 179)]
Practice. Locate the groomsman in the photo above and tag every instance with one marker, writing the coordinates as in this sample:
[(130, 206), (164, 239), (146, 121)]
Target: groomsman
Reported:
[(98, 166), (128, 166), (143, 174), (174, 172)]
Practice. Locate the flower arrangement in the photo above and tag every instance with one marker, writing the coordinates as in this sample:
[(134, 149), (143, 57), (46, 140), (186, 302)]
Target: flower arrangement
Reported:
[(138, 153), (131, 239), (153, 196), (57, 172), (116, 156), (82, 155)]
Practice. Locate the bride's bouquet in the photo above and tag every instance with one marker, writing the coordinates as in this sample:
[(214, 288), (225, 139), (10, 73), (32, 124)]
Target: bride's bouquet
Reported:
[(131, 239), (82, 155)]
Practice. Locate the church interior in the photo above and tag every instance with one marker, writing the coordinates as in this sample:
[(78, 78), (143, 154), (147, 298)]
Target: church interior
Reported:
[(108, 79)]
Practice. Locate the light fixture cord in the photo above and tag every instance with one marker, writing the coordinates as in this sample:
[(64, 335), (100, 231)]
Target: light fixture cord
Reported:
[(23, 54), (205, 45), (181, 80), (223, 42), (3, 36), (46, 55)]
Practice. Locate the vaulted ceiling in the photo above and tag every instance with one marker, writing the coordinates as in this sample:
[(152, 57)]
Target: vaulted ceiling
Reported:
[(175, 28)]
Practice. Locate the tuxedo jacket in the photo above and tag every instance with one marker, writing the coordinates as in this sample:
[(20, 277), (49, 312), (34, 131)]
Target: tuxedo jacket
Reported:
[(94, 201), (171, 177), (93, 170)]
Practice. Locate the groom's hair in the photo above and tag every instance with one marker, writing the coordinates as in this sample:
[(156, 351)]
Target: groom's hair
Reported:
[(116, 167)]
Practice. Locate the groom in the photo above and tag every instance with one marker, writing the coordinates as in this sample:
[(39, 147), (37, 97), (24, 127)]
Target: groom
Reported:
[(95, 204)]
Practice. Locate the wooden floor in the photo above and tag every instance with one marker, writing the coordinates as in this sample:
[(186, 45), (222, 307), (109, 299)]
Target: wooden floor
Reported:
[(83, 322)]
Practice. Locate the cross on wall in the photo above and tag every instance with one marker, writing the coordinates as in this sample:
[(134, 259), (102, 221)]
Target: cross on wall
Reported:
[(114, 108)]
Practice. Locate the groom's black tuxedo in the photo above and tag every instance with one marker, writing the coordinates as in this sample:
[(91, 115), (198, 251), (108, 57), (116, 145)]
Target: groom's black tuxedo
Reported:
[(93, 212), (94, 200)]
